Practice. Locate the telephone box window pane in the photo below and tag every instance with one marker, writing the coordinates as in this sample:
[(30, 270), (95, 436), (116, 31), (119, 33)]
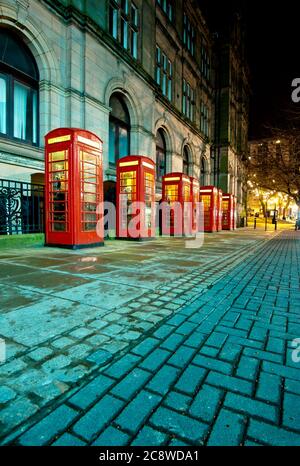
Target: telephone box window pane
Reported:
[(87, 197), (2, 105), (89, 188), (21, 110), (88, 207), (89, 226), (57, 226), (59, 155)]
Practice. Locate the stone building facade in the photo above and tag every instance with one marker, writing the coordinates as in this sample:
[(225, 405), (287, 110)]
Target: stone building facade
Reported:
[(138, 73)]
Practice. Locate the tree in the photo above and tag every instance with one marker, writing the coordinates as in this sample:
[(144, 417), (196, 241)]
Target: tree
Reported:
[(274, 163)]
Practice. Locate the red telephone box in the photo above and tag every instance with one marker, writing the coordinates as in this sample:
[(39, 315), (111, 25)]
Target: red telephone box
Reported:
[(228, 212), (74, 192), (220, 210), (195, 198), (210, 197), (176, 192), (135, 195)]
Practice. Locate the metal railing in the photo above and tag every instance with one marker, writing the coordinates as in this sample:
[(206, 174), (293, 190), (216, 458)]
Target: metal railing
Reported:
[(21, 207)]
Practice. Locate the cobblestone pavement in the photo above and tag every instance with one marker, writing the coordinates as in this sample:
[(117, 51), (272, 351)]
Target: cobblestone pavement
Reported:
[(186, 347)]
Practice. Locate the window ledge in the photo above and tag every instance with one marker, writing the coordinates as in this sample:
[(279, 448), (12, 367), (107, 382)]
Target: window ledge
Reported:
[(21, 149)]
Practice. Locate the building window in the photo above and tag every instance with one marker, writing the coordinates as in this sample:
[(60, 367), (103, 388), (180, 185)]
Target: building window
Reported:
[(205, 63), (168, 8), (185, 165), (203, 172), (204, 119), (119, 129), (18, 90), (164, 73), (124, 24), (189, 36), (188, 100), (161, 155)]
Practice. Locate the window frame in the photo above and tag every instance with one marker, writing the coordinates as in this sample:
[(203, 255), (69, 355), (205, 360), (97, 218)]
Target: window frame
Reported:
[(189, 35), (188, 100), (120, 18), (162, 151), (12, 76), (164, 73)]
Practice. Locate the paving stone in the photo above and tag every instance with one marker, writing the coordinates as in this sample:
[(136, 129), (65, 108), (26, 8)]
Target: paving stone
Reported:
[(111, 437), (269, 388), (232, 384), (100, 357), (91, 392), (182, 426), (213, 364), (163, 380), (149, 437), (206, 403), (137, 411), (177, 401), (182, 356), (155, 360), (40, 353), (122, 366), (131, 384), (191, 379), (62, 342), (291, 411), (68, 440), (98, 417), (145, 347), (6, 394), (49, 427), (251, 407), (56, 363), (228, 429), (272, 435)]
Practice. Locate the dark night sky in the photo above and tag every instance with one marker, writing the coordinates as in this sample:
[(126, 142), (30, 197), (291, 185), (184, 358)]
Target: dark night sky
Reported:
[(274, 58), (273, 46)]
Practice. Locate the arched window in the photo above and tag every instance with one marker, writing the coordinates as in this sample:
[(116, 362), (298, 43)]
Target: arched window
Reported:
[(185, 169), (119, 129), (161, 155), (18, 90)]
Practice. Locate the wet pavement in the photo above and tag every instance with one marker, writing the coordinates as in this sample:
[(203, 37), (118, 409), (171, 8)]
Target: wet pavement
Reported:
[(67, 316)]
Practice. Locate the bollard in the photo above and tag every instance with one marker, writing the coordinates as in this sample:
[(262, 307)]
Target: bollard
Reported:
[(266, 223), (275, 225), (255, 223)]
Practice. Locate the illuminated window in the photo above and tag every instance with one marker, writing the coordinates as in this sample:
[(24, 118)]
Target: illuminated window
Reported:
[(204, 119), (119, 129), (164, 73), (188, 100), (186, 154), (161, 155), (189, 35), (18, 90), (168, 8), (205, 62), (124, 24)]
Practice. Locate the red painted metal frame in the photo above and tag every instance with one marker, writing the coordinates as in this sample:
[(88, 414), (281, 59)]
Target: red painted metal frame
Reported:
[(220, 210), (228, 212), (210, 198), (143, 169), (74, 216), (195, 197), (182, 194)]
